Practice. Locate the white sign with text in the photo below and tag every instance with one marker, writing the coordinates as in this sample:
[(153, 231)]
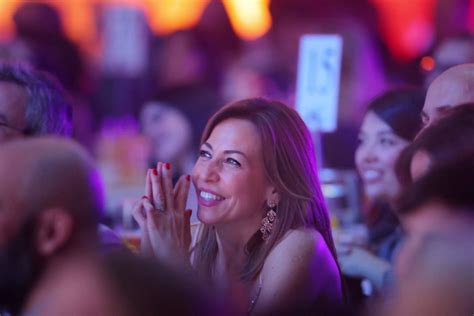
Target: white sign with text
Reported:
[(317, 87)]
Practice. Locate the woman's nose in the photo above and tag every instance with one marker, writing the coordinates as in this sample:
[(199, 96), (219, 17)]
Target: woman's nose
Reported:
[(370, 157), (369, 153), (209, 171)]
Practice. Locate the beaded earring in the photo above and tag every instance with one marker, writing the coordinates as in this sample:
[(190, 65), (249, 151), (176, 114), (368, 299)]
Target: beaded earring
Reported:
[(268, 220)]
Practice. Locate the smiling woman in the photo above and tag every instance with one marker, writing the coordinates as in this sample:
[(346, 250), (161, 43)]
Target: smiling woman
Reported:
[(265, 237), (390, 124)]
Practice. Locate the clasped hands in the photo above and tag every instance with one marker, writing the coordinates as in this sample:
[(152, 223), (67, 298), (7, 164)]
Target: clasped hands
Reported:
[(162, 216)]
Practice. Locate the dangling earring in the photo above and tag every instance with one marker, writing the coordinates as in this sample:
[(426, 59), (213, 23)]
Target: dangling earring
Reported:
[(268, 221)]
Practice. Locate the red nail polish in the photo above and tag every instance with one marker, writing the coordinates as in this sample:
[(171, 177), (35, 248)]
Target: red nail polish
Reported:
[(188, 177), (155, 172), (168, 166)]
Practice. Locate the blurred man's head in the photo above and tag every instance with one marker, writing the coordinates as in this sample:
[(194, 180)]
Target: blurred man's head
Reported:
[(31, 103), (50, 203), (453, 87)]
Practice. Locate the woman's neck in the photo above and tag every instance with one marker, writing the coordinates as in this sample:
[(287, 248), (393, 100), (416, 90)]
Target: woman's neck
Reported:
[(230, 251), (232, 239), (229, 263)]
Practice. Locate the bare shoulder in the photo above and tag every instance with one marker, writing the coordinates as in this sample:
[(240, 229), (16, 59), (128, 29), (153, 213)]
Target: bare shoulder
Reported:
[(300, 243), (300, 269)]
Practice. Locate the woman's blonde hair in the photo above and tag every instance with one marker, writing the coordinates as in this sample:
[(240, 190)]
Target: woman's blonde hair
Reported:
[(290, 166)]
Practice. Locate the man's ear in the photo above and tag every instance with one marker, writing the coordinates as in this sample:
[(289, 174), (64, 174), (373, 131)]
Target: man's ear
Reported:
[(54, 230)]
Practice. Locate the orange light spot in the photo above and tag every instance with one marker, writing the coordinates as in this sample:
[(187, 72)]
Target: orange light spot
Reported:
[(167, 16), (250, 19), (7, 8), (427, 63)]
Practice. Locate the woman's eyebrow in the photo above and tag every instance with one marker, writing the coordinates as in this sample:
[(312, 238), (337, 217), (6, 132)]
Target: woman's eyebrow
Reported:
[(235, 152), (207, 145), (228, 151)]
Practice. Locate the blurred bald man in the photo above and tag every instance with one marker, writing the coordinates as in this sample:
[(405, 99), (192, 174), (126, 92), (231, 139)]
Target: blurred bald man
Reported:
[(50, 201), (453, 87)]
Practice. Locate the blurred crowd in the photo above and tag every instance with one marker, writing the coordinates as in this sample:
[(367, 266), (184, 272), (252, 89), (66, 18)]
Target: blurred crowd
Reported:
[(403, 128)]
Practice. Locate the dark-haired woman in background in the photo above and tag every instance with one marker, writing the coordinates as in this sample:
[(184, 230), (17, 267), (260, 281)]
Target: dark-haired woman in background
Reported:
[(390, 124)]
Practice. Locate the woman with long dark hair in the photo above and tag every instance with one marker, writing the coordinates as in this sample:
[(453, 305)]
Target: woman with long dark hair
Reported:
[(390, 124)]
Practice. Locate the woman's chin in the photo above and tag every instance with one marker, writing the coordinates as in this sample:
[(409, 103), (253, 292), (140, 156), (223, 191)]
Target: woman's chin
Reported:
[(206, 217)]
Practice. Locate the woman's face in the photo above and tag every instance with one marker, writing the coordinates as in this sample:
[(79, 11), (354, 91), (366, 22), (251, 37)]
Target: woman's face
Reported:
[(376, 155), (229, 176)]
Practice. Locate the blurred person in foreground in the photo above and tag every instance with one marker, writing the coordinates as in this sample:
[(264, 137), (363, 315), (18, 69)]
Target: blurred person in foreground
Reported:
[(453, 87), (440, 281), (33, 103), (51, 200), (434, 265), (391, 122), (50, 257), (147, 287), (264, 240), (441, 202)]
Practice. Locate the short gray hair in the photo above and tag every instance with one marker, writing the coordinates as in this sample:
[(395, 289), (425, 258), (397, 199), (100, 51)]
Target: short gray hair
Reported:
[(47, 110)]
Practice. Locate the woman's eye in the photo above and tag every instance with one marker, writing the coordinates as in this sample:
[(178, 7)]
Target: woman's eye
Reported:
[(232, 161), (204, 153)]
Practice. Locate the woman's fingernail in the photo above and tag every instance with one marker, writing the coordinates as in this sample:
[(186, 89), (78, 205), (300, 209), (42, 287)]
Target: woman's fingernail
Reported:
[(188, 177), (155, 172), (167, 166), (144, 197)]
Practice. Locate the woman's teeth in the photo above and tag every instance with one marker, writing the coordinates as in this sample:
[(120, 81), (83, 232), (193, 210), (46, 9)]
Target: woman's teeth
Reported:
[(371, 175), (210, 196)]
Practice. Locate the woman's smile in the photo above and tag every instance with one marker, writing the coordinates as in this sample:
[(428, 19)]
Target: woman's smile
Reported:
[(209, 198)]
